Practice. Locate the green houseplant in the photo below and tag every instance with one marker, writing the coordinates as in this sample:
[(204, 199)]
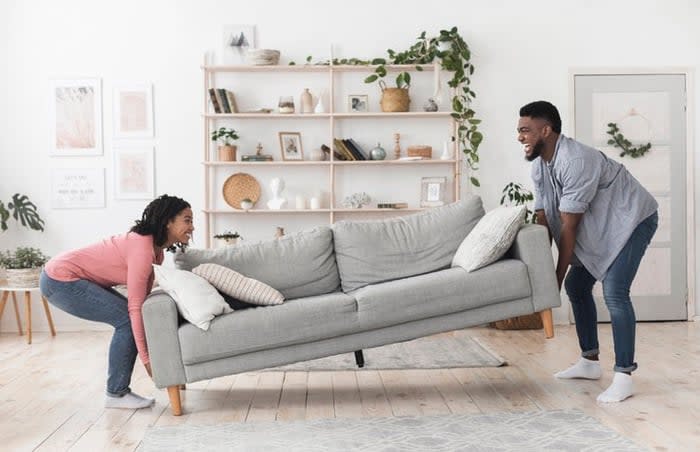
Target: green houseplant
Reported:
[(230, 238), (22, 210), (225, 137), (23, 266)]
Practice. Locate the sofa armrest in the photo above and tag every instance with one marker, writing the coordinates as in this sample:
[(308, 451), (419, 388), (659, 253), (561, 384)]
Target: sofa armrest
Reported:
[(533, 248), (160, 320)]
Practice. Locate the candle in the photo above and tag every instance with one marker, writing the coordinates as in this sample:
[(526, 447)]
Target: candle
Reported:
[(300, 202), (315, 203)]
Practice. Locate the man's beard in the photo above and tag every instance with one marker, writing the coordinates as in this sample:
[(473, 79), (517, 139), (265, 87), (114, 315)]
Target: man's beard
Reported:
[(536, 150)]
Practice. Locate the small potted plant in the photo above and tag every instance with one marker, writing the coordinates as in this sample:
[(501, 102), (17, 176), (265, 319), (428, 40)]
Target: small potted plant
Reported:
[(225, 137), (23, 266), (247, 204), (230, 238)]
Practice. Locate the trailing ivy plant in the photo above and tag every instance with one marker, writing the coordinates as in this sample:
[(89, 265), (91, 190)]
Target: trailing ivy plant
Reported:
[(618, 140), (518, 195), (454, 56)]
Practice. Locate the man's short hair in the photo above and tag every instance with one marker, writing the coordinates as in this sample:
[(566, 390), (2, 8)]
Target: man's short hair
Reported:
[(543, 110)]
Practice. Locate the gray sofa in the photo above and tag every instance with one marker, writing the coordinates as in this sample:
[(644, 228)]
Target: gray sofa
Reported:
[(351, 286)]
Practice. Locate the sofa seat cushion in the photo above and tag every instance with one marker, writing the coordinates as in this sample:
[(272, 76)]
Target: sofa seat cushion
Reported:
[(370, 252), (295, 321), (298, 265), (440, 293)]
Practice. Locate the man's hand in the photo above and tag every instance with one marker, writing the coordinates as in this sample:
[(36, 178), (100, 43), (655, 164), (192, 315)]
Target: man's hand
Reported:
[(148, 369), (567, 242)]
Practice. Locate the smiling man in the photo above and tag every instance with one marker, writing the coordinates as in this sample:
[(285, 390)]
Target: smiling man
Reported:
[(602, 221)]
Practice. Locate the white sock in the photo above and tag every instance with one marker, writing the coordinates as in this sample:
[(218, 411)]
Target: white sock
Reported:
[(129, 401), (584, 368), (621, 388)]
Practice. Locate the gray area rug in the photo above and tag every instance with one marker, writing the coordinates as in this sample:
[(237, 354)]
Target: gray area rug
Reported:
[(534, 431), (441, 351)]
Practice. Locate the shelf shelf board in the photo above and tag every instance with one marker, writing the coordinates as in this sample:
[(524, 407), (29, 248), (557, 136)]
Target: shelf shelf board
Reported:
[(267, 115), (314, 68), (372, 209), (406, 114), (263, 211), (335, 162)]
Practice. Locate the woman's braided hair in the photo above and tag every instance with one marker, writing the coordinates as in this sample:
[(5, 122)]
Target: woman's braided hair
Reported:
[(156, 216)]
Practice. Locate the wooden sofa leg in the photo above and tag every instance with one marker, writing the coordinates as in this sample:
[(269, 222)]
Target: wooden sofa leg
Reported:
[(548, 323), (359, 358), (174, 395)]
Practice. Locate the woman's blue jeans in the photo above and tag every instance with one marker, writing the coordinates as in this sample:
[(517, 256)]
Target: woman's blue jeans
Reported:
[(616, 291), (89, 301)]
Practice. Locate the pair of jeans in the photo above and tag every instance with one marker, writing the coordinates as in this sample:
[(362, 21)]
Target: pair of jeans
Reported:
[(616, 292), (89, 301)]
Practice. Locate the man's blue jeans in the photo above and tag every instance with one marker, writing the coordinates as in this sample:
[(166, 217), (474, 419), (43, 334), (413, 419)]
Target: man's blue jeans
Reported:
[(89, 301), (616, 291)]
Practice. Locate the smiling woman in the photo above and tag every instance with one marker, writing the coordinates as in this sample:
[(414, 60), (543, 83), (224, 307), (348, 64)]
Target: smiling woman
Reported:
[(80, 283)]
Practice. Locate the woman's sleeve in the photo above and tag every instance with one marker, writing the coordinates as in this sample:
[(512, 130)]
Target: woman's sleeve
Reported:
[(139, 281)]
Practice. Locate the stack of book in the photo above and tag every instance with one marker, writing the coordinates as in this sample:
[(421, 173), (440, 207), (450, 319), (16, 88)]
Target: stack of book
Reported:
[(222, 100), (349, 149), (256, 158), (392, 205)]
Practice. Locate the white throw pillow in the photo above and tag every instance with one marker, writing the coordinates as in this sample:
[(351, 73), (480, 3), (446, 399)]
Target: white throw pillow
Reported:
[(238, 286), (490, 238), (196, 299)]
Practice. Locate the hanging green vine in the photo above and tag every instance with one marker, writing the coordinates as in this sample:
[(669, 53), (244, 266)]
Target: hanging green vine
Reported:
[(455, 57), (619, 141)]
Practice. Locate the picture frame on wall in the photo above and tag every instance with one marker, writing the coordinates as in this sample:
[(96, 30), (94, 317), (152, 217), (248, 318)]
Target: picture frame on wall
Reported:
[(237, 39), (134, 173), (75, 117), (432, 191), (77, 188), (358, 103), (132, 114), (290, 146)]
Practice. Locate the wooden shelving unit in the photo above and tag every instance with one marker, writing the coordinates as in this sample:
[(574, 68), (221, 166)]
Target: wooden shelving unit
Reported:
[(332, 71)]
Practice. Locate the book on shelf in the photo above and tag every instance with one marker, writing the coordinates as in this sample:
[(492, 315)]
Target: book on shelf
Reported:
[(223, 100), (256, 158), (410, 159), (231, 101), (358, 148), (354, 150), (214, 100), (392, 205), (342, 150)]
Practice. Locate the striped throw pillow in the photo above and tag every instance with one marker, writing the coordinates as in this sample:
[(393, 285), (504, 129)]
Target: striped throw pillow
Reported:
[(238, 286)]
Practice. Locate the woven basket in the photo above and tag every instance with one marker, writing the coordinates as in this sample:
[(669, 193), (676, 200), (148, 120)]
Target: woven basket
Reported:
[(23, 277), (394, 99), (522, 322), (240, 186), (420, 151)]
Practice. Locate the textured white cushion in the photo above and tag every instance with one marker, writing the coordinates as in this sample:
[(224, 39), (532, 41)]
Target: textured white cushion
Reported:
[(196, 299), (490, 238), (238, 286)]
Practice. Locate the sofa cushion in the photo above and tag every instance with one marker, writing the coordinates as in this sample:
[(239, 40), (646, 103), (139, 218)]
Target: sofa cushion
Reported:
[(298, 265), (375, 251), (238, 286), (440, 293), (197, 301), (293, 322), (490, 239)]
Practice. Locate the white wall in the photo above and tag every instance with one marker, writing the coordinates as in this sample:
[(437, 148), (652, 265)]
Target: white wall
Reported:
[(522, 52)]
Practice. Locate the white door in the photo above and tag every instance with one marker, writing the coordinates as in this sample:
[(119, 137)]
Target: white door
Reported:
[(646, 109)]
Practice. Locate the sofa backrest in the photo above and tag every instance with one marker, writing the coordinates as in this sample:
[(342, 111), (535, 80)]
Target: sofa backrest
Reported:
[(369, 252), (298, 265)]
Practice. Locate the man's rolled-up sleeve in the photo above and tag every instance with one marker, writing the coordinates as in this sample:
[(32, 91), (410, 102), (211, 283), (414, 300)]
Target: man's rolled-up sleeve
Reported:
[(579, 179)]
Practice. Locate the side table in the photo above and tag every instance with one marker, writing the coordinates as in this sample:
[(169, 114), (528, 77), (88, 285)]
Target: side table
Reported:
[(7, 291)]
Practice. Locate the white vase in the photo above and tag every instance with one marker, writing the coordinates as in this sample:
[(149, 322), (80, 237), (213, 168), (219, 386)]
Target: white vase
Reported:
[(320, 108)]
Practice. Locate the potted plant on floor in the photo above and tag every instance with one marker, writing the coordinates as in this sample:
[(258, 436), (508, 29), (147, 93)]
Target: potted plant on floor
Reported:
[(225, 136), (24, 212), (23, 266)]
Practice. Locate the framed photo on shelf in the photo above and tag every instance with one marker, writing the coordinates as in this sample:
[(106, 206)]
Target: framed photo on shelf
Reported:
[(432, 191), (75, 117), (81, 188), (133, 110), (290, 145), (358, 103), (133, 173)]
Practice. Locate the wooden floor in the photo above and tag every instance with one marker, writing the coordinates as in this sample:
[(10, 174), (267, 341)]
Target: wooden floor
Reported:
[(51, 392)]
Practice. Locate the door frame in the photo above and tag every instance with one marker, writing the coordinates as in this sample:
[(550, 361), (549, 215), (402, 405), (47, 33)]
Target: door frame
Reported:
[(690, 151)]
